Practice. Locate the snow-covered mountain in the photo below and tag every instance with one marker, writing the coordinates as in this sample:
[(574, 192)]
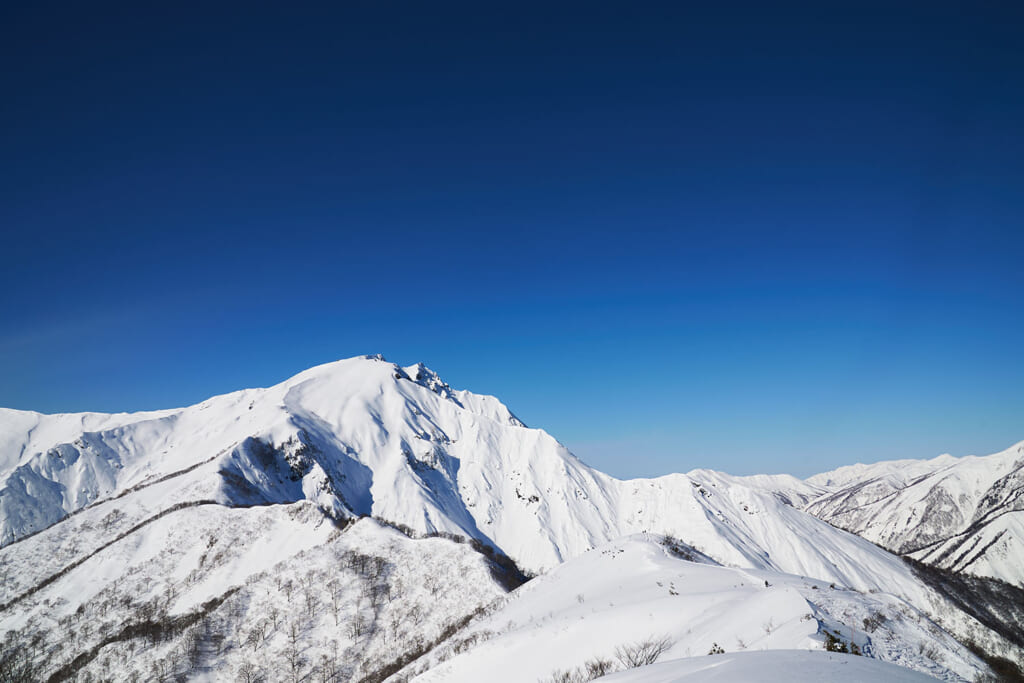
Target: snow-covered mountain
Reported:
[(366, 437), (644, 588), (93, 506), (963, 514)]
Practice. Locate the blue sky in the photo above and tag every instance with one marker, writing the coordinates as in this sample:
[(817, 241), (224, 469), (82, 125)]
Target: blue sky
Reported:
[(756, 240)]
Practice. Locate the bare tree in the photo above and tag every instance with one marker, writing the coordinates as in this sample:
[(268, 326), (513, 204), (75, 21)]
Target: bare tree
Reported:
[(310, 598), (248, 672), (643, 652), (356, 626), (598, 667), (292, 652), (334, 588), (254, 638), (325, 669), (193, 640), (16, 665)]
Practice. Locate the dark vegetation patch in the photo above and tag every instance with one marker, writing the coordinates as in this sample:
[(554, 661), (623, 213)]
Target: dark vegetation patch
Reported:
[(152, 630), (996, 604), (502, 567)]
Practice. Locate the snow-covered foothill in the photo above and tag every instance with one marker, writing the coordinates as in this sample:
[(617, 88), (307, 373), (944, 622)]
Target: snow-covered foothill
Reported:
[(641, 588), (207, 592), (791, 666)]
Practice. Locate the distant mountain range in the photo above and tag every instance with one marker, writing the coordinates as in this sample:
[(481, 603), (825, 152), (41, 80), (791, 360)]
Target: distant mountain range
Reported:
[(219, 540), (963, 514)]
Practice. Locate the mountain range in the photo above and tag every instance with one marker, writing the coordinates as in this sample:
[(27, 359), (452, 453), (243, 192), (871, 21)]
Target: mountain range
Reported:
[(363, 521)]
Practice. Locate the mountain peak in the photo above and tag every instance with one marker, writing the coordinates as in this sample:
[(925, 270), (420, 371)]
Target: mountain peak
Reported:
[(426, 377), (366, 437)]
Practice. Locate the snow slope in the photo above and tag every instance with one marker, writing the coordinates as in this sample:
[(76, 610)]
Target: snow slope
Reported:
[(964, 514), (366, 437), (210, 592), (792, 666), (636, 589), (363, 436)]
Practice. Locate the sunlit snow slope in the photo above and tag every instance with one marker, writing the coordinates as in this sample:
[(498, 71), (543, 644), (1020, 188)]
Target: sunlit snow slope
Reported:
[(366, 437), (212, 593), (638, 589), (791, 666), (964, 514)]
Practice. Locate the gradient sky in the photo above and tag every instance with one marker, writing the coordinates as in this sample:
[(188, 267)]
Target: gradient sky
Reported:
[(755, 239)]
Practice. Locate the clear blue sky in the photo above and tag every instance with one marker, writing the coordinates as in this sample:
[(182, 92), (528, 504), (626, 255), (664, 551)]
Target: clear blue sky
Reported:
[(756, 239)]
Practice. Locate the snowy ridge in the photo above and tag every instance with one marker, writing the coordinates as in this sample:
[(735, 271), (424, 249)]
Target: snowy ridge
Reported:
[(366, 437), (218, 593), (964, 514), (363, 436), (896, 473), (636, 588)]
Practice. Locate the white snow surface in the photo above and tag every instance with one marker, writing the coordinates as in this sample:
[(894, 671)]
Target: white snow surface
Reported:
[(791, 666), (366, 437), (635, 589), (964, 514), (284, 580)]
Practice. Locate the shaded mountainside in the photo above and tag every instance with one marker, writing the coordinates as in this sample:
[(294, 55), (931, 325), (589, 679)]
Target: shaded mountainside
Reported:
[(996, 604)]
